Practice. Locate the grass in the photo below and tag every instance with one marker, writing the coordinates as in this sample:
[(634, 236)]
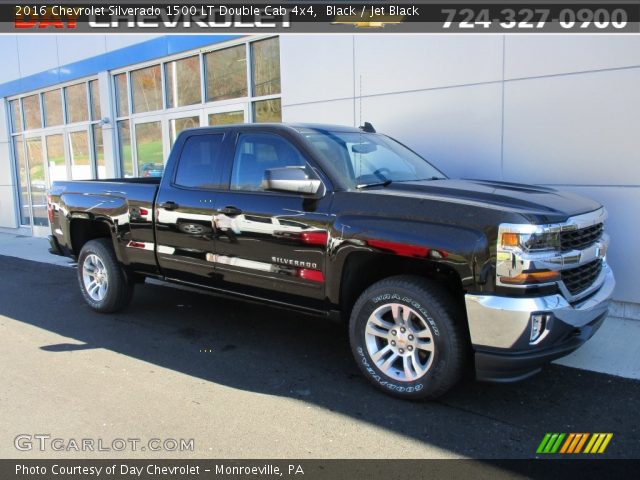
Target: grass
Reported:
[(149, 152)]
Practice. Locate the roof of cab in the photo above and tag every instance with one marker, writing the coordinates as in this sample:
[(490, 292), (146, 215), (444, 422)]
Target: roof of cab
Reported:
[(298, 127), (327, 127)]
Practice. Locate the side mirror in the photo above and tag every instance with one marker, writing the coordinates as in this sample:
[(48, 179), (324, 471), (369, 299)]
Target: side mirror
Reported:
[(291, 179)]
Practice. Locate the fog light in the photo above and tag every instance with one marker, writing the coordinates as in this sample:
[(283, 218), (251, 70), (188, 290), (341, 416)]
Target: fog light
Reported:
[(538, 324)]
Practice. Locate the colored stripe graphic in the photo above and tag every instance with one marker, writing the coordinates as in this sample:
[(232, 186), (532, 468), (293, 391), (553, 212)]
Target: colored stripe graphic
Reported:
[(574, 443), (581, 443), (543, 443), (605, 443), (556, 445), (598, 443), (550, 443), (565, 447)]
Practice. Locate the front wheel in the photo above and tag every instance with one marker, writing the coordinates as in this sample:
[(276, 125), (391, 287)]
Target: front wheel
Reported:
[(104, 285), (407, 339)]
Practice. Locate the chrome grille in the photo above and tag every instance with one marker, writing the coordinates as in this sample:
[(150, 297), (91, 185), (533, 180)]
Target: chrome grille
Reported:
[(580, 239), (580, 278)]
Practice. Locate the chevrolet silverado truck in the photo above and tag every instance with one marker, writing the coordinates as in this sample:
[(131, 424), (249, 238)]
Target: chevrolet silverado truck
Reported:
[(435, 276)]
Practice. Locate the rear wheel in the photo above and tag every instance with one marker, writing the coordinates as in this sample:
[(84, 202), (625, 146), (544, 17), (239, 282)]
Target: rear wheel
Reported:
[(104, 285), (407, 338)]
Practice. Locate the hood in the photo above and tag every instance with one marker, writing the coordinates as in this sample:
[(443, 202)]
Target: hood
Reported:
[(521, 198)]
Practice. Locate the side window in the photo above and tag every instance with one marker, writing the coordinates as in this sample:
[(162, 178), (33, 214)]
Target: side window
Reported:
[(200, 162), (258, 152)]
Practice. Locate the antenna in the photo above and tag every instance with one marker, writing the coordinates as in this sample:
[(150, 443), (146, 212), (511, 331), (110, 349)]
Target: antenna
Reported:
[(360, 121), (367, 127)]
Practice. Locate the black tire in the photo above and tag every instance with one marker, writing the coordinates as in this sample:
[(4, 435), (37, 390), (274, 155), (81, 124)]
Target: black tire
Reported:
[(430, 306), (118, 290)]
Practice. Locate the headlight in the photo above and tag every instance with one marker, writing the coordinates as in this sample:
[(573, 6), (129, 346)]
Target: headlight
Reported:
[(517, 249), (529, 242)]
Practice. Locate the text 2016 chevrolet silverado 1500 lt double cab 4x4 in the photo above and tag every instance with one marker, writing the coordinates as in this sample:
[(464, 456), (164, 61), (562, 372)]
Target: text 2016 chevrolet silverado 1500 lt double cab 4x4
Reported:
[(434, 275)]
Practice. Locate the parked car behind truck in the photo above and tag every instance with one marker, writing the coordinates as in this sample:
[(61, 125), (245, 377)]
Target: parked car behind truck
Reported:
[(434, 275)]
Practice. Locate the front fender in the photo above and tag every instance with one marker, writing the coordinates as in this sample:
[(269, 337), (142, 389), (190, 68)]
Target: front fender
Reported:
[(432, 243)]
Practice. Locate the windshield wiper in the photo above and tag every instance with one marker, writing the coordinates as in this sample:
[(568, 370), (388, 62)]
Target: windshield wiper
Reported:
[(375, 184)]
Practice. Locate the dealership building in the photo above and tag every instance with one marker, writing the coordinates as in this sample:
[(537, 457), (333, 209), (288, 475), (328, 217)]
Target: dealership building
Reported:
[(561, 111)]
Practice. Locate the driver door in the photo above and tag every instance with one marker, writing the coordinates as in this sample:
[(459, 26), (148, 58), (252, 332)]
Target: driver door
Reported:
[(265, 239)]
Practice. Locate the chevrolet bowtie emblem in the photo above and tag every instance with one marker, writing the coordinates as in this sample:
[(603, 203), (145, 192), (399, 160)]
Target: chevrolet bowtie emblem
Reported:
[(357, 22)]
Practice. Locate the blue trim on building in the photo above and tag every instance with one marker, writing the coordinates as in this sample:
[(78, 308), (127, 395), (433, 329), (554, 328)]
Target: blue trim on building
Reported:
[(140, 52)]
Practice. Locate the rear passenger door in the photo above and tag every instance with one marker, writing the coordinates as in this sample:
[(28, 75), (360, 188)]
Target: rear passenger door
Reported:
[(269, 240), (184, 206)]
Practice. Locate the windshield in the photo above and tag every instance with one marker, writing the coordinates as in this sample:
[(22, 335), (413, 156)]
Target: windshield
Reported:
[(364, 159)]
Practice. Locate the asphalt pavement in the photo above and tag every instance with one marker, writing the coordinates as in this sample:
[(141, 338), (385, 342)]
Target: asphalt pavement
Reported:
[(249, 381)]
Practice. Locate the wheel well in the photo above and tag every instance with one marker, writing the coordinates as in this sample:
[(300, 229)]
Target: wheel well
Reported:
[(362, 270), (84, 230)]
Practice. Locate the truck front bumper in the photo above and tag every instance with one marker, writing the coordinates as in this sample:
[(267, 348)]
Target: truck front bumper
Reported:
[(501, 327)]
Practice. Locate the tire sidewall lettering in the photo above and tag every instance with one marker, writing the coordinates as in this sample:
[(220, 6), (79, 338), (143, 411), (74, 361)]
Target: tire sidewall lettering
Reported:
[(383, 382), (389, 297)]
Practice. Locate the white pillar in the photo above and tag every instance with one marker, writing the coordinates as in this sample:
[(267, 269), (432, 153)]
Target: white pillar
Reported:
[(107, 107), (8, 199)]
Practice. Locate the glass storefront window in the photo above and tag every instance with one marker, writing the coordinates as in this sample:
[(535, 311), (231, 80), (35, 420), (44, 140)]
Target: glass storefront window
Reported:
[(37, 182), (31, 112), (98, 151), (94, 92), (76, 101), (52, 108), (66, 145), (126, 157), (146, 89), (226, 118), (23, 180), (149, 149), (79, 153), (220, 75), (55, 157), (267, 111), (16, 115), (226, 73), (183, 82), (176, 125), (265, 63), (122, 98)]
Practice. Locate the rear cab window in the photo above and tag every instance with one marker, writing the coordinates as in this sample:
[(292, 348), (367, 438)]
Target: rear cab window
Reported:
[(201, 162)]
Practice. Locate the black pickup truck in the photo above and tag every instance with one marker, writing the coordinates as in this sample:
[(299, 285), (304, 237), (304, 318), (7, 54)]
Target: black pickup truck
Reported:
[(435, 276)]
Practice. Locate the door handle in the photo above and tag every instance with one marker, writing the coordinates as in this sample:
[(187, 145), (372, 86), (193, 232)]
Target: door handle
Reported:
[(231, 211), (169, 205)]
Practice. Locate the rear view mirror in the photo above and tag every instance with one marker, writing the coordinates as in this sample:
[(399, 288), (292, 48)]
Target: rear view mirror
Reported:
[(364, 148), (291, 179)]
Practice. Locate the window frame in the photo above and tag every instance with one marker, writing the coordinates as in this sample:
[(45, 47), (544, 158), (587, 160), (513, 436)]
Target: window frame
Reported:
[(247, 72), (161, 94), (65, 109), (165, 66), (197, 109), (133, 127), (43, 131), (251, 58)]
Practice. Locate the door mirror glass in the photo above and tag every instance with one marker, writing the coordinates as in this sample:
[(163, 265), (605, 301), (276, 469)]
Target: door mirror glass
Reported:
[(291, 179)]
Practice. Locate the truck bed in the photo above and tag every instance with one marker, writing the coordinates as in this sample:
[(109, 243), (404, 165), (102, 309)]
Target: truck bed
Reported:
[(131, 189), (124, 205)]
